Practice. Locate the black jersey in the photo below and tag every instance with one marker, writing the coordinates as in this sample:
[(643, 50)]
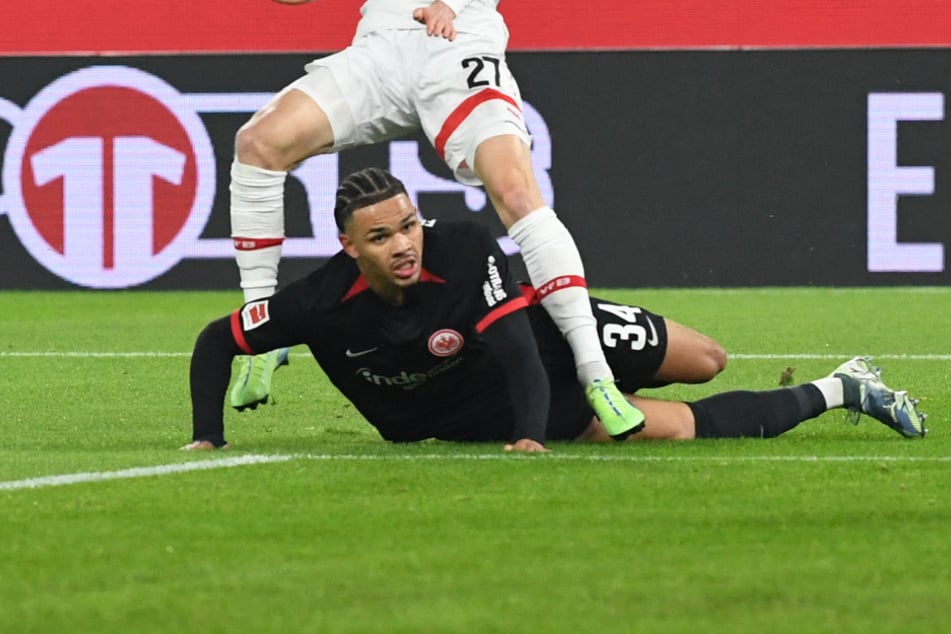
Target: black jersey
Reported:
[(418, 370), (457, 361)]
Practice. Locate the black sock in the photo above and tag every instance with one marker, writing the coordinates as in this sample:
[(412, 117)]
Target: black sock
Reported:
[(756, 414)]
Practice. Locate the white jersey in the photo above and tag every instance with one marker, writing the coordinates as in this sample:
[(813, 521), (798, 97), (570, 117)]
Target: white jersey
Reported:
[(472, 16), (393, 80)]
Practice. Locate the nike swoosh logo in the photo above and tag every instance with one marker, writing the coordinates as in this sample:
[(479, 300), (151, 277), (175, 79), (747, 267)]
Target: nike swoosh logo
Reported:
[(652, 341), (352, 355)]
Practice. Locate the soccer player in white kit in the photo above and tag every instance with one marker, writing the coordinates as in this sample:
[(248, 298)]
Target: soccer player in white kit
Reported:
[(440, 67)]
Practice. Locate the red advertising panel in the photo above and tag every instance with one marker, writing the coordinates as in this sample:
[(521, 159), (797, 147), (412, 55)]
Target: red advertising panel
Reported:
[(129, 26)]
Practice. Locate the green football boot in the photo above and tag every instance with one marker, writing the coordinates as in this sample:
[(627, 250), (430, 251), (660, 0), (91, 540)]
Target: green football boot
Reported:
[(253, 384), (619, 417)]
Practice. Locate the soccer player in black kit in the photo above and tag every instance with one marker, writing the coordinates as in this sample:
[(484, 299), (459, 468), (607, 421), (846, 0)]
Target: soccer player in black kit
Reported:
[(421, 326)]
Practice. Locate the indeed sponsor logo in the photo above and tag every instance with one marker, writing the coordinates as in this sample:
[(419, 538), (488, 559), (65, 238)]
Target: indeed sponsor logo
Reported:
[(407, 380)]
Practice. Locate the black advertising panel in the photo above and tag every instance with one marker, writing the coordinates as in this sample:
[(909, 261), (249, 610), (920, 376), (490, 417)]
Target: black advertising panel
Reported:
[(739, 168), (671, 168)]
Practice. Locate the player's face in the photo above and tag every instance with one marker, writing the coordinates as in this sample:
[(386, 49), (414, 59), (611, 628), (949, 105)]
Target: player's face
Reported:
[(386, 240)]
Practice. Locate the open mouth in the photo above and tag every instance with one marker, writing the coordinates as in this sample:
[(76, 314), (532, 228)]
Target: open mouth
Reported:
[(405, 268)]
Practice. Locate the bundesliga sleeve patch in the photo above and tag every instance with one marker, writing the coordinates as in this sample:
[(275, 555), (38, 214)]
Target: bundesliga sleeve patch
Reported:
[(255, 314)]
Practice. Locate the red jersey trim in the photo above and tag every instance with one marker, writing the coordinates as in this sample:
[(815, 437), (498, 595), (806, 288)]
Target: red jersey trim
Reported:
[(361, 284), (517, 303), (463, 110), (253, 244), (426, 276), (238, 333), (528, 292)]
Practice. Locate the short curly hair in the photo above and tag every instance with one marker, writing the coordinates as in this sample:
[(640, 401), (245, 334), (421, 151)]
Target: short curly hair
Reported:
[(362, 189)]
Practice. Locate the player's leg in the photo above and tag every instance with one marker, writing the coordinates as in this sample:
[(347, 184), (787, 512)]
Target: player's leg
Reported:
[(855, 385), (664, 420), (338, 104), (470, 108), (766, 414), (691, 357), (287, 130), (647, 350), (554, 265), (736, 414)]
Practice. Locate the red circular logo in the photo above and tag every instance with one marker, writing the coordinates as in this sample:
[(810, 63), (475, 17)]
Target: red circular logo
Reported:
[(109, 176), (119, 149)]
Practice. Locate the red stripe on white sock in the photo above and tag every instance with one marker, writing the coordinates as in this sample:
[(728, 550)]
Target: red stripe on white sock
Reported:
[(559, 283), (253, 244)]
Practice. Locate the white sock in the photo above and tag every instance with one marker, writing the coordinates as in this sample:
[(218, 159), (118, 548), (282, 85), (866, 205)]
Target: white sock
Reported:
[(257, 226), (556, 271), (832, 391)]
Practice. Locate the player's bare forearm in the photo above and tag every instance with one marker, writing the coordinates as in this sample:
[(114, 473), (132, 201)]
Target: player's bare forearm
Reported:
[(526, 445), (438, 18)]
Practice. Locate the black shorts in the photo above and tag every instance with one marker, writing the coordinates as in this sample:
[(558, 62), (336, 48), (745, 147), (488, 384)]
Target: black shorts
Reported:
[(634, 342)]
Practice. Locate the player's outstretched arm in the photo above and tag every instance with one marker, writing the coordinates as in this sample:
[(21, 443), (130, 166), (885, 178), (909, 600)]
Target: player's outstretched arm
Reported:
[(439, 19), (209, 375), (511, 341)]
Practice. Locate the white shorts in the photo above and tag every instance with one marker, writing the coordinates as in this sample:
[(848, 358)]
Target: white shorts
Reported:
[(391, 83)]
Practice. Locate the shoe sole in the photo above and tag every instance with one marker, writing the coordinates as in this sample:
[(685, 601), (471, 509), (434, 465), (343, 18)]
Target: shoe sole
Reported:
[(624, 435)]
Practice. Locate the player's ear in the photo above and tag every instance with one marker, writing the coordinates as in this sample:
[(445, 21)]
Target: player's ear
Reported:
[(348, 245)]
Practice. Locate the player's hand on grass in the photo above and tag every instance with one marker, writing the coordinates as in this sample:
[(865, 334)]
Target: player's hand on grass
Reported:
[(438, 18), (204, 445), (526, 445)]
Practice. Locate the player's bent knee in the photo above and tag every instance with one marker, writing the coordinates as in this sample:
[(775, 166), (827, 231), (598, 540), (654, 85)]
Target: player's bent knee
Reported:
[(252, 148), (270, 148), (709, 359), (517, 197), (715, 359)]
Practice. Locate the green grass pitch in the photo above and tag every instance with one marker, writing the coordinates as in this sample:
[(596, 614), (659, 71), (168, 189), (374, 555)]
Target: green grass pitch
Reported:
[(313, 524)]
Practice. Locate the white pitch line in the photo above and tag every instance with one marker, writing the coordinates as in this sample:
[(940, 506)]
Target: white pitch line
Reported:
[(95, 355), (616, 458), (734, 355), (139, 472), (253, 459)]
